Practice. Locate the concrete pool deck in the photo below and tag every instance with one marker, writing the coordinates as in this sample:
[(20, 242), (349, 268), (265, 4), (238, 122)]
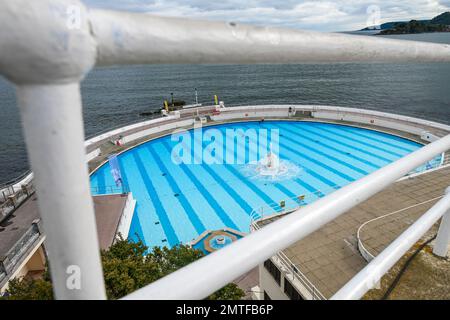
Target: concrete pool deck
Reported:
[(108, 211), (329, 257)]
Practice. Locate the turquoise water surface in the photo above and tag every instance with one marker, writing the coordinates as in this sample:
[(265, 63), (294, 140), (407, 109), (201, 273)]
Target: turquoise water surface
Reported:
[(177, 202)]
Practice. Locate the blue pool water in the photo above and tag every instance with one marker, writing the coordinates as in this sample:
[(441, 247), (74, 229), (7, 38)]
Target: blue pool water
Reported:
[(177, 202)]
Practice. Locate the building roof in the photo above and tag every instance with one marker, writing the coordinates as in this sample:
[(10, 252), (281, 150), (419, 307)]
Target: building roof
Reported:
[(15, 226), (108, 211)]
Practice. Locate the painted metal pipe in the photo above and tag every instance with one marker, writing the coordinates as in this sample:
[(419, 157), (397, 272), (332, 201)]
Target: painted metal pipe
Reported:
[(368, 277), (201, 278), (442, 241), (129, 38), (46, 52), (53, 129), (40, 43)]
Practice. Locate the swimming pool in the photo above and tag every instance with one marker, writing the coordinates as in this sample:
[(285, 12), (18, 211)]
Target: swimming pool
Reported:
[(176, 202)]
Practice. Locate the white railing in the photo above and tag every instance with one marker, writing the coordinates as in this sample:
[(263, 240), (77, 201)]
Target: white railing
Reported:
[(11, 187), (21, 248), (367, 255), (45, 51), (292, 271)]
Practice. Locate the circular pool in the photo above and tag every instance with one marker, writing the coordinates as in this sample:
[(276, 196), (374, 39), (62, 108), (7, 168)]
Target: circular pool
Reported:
[(208, 179)]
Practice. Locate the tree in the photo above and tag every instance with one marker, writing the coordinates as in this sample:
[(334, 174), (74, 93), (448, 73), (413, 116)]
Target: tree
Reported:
[(127, 266), (27, 289)]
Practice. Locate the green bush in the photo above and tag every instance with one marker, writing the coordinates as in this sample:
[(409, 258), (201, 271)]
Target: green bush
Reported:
[(127, 267)]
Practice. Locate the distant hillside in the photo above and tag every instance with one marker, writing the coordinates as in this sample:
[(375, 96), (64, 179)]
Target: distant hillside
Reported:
[(441, 23), (415, 26), (442, 19), (388, 25)]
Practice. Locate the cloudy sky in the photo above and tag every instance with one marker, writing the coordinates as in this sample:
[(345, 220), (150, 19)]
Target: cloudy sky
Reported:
[(322, 15)]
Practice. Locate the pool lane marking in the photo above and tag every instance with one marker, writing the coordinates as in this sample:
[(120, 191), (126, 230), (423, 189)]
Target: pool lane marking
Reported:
[(146, 210), (201, 205), (310, 188), (139, 233), (371, 140), (365, 152), (386, 139), (267, 199), (215, 205), (320, 164), (327, 146), (259, 193), (146, 238), (230, 190), (123, 174), (314, 134), (242, 203), (310, 172), (101, 183), (323, 154), (335, 131), (190, 212), (171, 235), (285, 190)]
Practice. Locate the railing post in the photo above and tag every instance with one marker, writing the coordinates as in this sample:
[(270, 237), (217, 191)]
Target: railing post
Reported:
[(443, 237), (45, 52), (53, 127)]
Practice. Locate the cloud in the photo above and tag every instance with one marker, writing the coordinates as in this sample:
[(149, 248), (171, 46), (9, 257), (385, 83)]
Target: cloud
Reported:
[(322, 15)]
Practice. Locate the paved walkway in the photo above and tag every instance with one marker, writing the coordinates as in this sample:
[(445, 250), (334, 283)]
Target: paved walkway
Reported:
[(16, 225), (108, 210), (329, 257), (247, 281)]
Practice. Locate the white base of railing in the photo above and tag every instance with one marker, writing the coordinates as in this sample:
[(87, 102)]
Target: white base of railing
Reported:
[(442, 242)]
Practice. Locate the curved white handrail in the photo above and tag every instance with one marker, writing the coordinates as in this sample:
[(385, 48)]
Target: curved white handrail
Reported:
[(124, 38), (290, 268), (270, 210), (362, 249)]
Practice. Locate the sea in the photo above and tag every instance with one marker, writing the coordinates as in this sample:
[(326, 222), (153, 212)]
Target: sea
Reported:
[(115, 96)]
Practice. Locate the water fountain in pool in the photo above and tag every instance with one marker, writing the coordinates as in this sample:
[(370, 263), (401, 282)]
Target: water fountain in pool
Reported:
[(271, 167), (210, 241)]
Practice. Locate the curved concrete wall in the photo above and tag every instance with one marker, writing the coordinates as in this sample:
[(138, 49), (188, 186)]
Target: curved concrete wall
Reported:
[(428, 130)]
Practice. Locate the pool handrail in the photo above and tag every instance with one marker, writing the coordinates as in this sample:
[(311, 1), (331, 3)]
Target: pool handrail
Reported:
[(273, 209)]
